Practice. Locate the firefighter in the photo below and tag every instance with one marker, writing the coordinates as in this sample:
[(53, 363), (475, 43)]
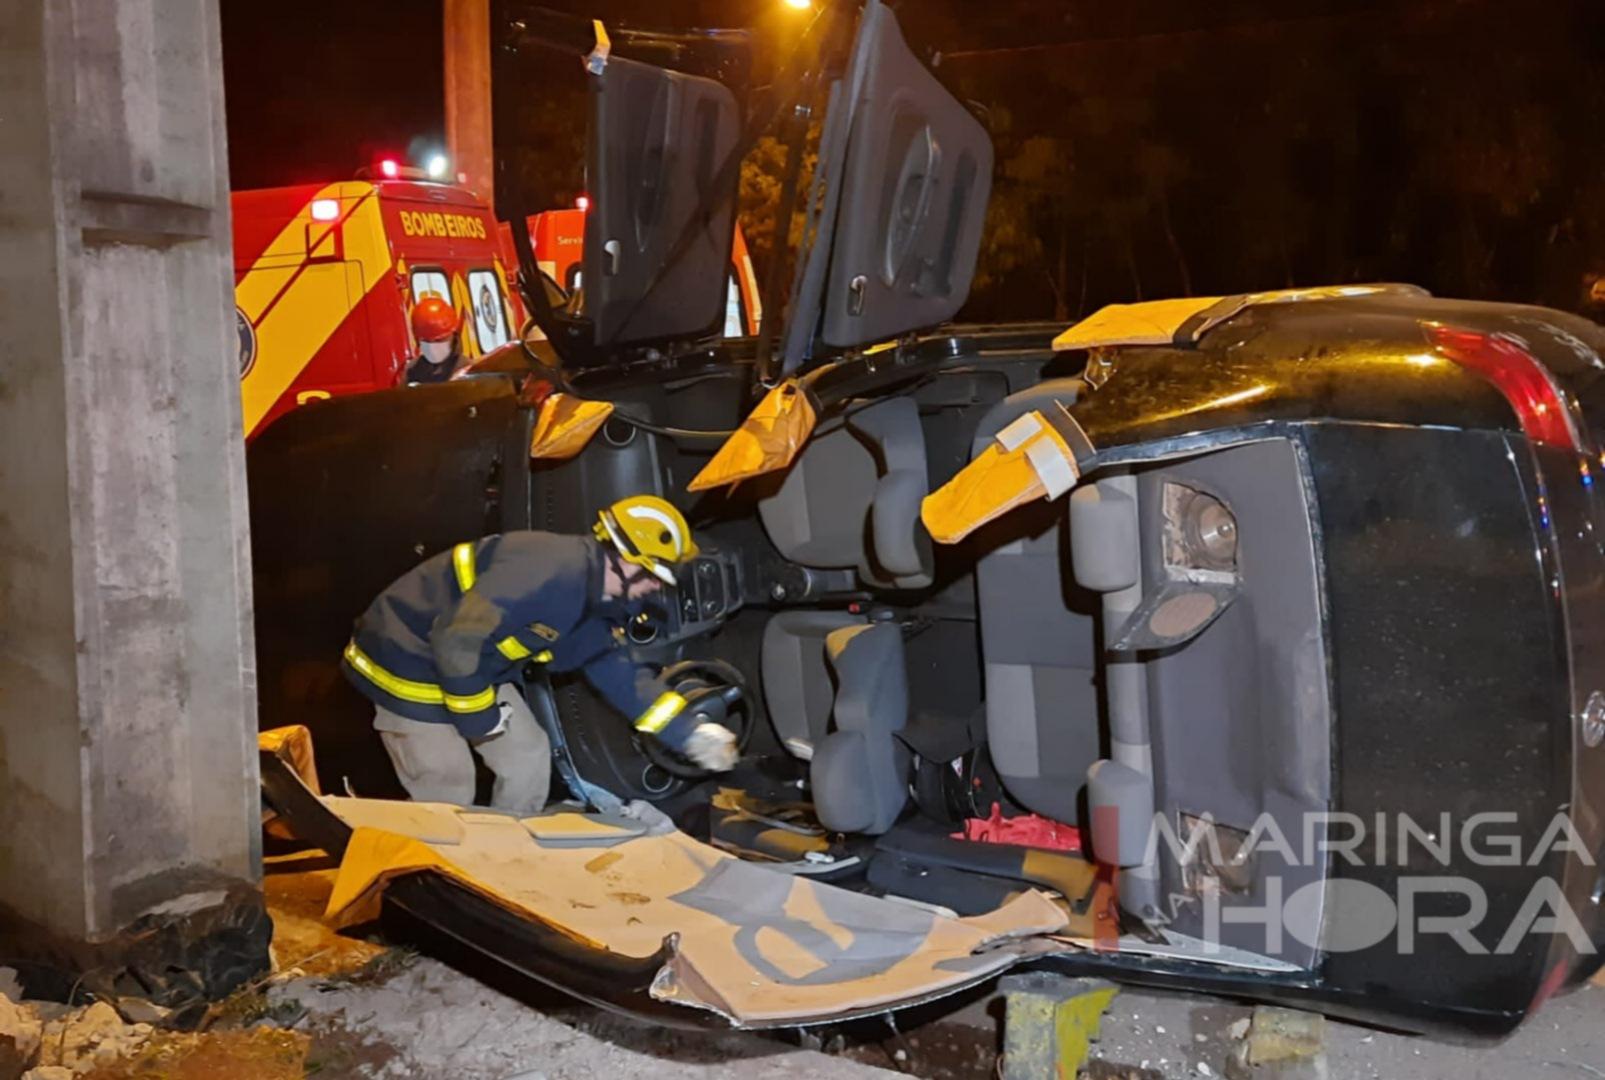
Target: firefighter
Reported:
[(439, 652), (435, 324)]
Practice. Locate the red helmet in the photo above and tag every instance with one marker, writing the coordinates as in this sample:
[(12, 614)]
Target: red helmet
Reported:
[(433, 319)]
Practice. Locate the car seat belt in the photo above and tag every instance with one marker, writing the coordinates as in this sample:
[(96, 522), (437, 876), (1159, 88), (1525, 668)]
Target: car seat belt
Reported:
[(537, 688)]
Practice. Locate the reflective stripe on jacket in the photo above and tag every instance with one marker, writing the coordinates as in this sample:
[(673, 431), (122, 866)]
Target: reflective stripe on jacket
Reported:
[(435, 644)]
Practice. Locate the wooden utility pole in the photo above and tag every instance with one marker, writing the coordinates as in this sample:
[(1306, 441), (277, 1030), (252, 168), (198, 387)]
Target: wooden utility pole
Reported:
[(468, 127)]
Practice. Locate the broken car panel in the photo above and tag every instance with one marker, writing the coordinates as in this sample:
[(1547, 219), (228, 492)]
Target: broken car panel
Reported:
[(1235, 566)]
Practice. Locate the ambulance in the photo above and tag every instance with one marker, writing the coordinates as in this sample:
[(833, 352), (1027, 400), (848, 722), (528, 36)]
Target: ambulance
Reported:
[(326, 275)]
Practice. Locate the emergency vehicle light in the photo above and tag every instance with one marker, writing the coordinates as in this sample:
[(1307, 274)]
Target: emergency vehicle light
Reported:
[(389, 168), (437, 166), (325, 209), (582, 202)]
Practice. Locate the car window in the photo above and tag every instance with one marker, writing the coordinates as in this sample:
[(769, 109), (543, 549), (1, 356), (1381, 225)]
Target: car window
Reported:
[(428, 281), (490, 310)]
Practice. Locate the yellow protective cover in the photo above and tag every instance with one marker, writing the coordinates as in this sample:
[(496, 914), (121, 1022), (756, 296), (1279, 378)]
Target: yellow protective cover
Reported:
[(1152, 323), (1155, 322), (767, 441), (752, 944), (565, 424), (997, 481), (294, 745), (570, 826), (374, 857)]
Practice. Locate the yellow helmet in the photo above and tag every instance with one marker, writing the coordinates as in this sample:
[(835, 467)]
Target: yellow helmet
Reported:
[(648, 532)]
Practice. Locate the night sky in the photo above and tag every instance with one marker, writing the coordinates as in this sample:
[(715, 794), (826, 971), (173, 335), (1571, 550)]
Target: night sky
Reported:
[(1145, 149), (318, 88)]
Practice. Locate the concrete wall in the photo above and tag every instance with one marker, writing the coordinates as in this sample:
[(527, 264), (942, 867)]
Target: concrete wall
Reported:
[(127, 684)]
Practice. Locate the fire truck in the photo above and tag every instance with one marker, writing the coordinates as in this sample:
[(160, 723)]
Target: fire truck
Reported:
[(325, 278)]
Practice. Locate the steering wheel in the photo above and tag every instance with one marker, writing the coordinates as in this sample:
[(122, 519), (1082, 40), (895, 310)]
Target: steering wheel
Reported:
[(719, 693)]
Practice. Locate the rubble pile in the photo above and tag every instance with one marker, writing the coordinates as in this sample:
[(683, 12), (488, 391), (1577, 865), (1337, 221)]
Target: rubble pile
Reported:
[(20, 1032), (41, 1040)]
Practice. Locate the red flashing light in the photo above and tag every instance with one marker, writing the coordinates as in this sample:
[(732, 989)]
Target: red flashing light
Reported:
[(389, 168), (325, 209), (582, 203), (1532, 391)]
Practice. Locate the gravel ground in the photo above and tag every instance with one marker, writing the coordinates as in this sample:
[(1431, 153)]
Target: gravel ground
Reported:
[(430, 1020), (1153, 1036)]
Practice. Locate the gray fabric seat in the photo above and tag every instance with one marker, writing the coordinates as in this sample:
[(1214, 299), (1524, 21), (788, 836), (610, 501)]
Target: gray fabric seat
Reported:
[(797, 686), (860, 770), (899, 551), (852, 498), (1038, 641)]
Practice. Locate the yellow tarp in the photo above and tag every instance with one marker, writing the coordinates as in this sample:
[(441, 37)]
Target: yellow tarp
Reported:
[(767, 441), (565, 424), (1155, 322), (1029, 460)]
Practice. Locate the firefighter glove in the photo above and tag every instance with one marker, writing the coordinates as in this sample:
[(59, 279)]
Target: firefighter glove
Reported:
[(712, 746)]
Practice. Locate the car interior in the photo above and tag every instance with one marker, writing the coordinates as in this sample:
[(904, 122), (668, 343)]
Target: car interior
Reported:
[(1121, 664)]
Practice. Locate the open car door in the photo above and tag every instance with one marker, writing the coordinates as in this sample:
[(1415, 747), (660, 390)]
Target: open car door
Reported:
[(663, 191), (901, 191)]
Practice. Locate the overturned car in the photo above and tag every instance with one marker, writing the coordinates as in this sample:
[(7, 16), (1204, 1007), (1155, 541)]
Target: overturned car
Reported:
[(1276, 615)]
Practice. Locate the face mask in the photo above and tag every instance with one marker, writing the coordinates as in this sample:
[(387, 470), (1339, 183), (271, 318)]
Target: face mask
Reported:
[(437, 352)]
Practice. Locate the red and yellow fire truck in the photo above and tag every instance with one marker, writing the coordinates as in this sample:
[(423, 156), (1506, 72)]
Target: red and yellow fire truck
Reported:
[(325, 277)]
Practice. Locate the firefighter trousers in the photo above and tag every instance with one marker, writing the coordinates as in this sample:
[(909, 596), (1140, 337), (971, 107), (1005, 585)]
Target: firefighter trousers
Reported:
[(435, 763)]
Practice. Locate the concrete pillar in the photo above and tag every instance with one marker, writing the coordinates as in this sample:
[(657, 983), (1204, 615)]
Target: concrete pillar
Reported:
[(128, 780), (468, 122)]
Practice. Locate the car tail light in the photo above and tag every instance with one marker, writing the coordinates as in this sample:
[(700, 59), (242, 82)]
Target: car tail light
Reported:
[(325, 209), (1532, 391)]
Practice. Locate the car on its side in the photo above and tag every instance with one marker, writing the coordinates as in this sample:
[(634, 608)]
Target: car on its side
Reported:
[(1289, 604)]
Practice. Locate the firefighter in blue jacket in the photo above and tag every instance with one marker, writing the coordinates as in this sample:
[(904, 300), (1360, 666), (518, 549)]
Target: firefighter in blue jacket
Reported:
[(439, 652)]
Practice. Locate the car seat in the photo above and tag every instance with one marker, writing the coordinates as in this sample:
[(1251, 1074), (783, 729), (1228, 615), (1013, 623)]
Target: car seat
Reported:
[(860, 770)]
